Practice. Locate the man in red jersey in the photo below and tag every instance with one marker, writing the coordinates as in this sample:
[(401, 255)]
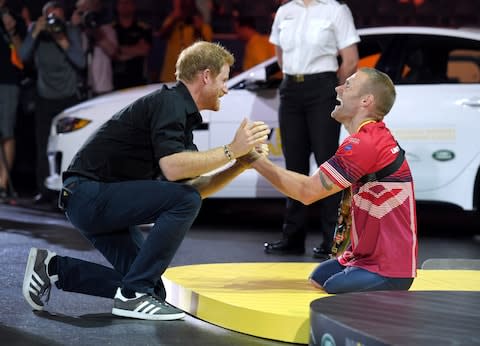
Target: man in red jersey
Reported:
[(383, 250)]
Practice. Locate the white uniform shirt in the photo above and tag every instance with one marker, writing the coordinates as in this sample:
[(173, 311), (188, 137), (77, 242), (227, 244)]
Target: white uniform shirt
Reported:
[(310, 37)]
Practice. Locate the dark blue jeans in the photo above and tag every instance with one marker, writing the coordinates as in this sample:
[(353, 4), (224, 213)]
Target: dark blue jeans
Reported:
[(335, 278), (107, 215)]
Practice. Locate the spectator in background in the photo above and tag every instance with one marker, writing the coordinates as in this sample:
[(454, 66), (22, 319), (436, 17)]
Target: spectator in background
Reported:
[(134, 44), (34, 8), (309, 35), (223, 14), (260, 10), (25, 12), (12, 30), (99, 42), (181, 28), (257, 46), (205, 7), (55, 47), (19, 8)]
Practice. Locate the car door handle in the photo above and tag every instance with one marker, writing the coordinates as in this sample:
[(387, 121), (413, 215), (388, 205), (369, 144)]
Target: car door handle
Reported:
[(472, 102)]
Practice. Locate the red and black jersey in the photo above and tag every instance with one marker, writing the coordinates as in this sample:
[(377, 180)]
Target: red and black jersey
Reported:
[(384, 229)]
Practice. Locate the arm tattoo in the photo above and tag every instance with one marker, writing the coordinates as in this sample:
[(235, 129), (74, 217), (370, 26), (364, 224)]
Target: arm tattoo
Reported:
[(324, 182)]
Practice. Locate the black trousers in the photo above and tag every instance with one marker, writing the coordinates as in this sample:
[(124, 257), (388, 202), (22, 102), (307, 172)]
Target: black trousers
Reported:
[(306, 127), (45, 111)]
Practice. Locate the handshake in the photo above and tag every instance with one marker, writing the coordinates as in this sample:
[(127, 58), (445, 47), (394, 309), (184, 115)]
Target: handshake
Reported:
[(253, 155), (249, 143)]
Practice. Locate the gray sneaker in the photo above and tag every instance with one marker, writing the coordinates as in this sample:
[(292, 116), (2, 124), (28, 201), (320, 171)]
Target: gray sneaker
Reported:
[(144, 307), (36, 282)]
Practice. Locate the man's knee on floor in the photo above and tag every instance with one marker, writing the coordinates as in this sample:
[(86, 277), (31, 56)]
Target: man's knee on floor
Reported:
[(331, 287), (328, 284), (315, 284)]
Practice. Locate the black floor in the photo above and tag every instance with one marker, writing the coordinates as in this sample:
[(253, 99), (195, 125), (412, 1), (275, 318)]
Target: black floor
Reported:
[(224, 232)]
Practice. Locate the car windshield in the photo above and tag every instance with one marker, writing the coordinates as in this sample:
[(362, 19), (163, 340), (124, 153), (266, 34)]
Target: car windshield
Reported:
[(422, 59), (408, 58)]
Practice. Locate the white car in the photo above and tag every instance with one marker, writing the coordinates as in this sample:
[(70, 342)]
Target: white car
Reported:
[(435, 118)]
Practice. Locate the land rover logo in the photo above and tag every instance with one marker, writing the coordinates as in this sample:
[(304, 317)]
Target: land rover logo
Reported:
[(443, 155)]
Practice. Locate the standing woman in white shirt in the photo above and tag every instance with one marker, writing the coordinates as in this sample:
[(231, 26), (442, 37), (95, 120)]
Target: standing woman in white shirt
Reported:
[(308, 36)]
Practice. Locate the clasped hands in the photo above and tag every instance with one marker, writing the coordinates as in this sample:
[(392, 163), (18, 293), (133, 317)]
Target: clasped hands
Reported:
[(250, 142)]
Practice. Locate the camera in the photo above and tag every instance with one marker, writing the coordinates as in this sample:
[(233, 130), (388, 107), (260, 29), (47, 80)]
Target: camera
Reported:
[(90, 20), (55, 25)]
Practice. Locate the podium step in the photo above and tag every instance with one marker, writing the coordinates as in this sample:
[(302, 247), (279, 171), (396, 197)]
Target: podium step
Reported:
[(272, 300)]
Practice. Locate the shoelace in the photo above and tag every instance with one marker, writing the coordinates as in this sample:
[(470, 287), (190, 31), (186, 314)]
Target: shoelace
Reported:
[(155, 300), (160, 302)]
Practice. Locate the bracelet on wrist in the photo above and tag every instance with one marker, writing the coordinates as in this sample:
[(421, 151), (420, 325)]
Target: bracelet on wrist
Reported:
[(228, 153)]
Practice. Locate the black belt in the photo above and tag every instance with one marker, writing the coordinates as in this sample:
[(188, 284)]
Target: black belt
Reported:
[(300, 78)]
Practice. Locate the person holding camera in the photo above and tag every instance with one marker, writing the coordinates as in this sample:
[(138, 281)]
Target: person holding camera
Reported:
[(99, 41), (55, 47), (181, 28), (134, 45), (12, 30)]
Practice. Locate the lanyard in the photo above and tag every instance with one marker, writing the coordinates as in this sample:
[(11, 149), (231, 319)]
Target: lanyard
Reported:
[(366, 122)]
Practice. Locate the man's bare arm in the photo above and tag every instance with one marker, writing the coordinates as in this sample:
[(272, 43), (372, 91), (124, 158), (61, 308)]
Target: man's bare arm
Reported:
[(211, 183), (279, 54), (185, 165), (188, 164), (207, 185), (349, 63), (306, 189)]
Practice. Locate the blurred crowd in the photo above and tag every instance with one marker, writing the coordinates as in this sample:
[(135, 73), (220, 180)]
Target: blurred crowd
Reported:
[(161, 28), (58, 53)]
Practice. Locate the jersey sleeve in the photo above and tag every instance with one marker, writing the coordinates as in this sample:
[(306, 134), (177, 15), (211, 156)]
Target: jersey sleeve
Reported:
[(354, 158)]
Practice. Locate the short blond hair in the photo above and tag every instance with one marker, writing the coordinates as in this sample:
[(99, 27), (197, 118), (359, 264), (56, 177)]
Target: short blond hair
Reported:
[(381, 87), (200, 56)]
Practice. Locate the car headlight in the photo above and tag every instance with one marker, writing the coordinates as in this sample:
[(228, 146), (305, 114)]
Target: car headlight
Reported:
[(70, 124)]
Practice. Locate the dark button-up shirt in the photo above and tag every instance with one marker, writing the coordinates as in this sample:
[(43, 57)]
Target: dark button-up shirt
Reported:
[(129, 145)]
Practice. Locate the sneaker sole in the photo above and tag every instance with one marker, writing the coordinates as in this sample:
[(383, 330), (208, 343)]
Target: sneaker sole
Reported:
[(144, 316), (28, 277)]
